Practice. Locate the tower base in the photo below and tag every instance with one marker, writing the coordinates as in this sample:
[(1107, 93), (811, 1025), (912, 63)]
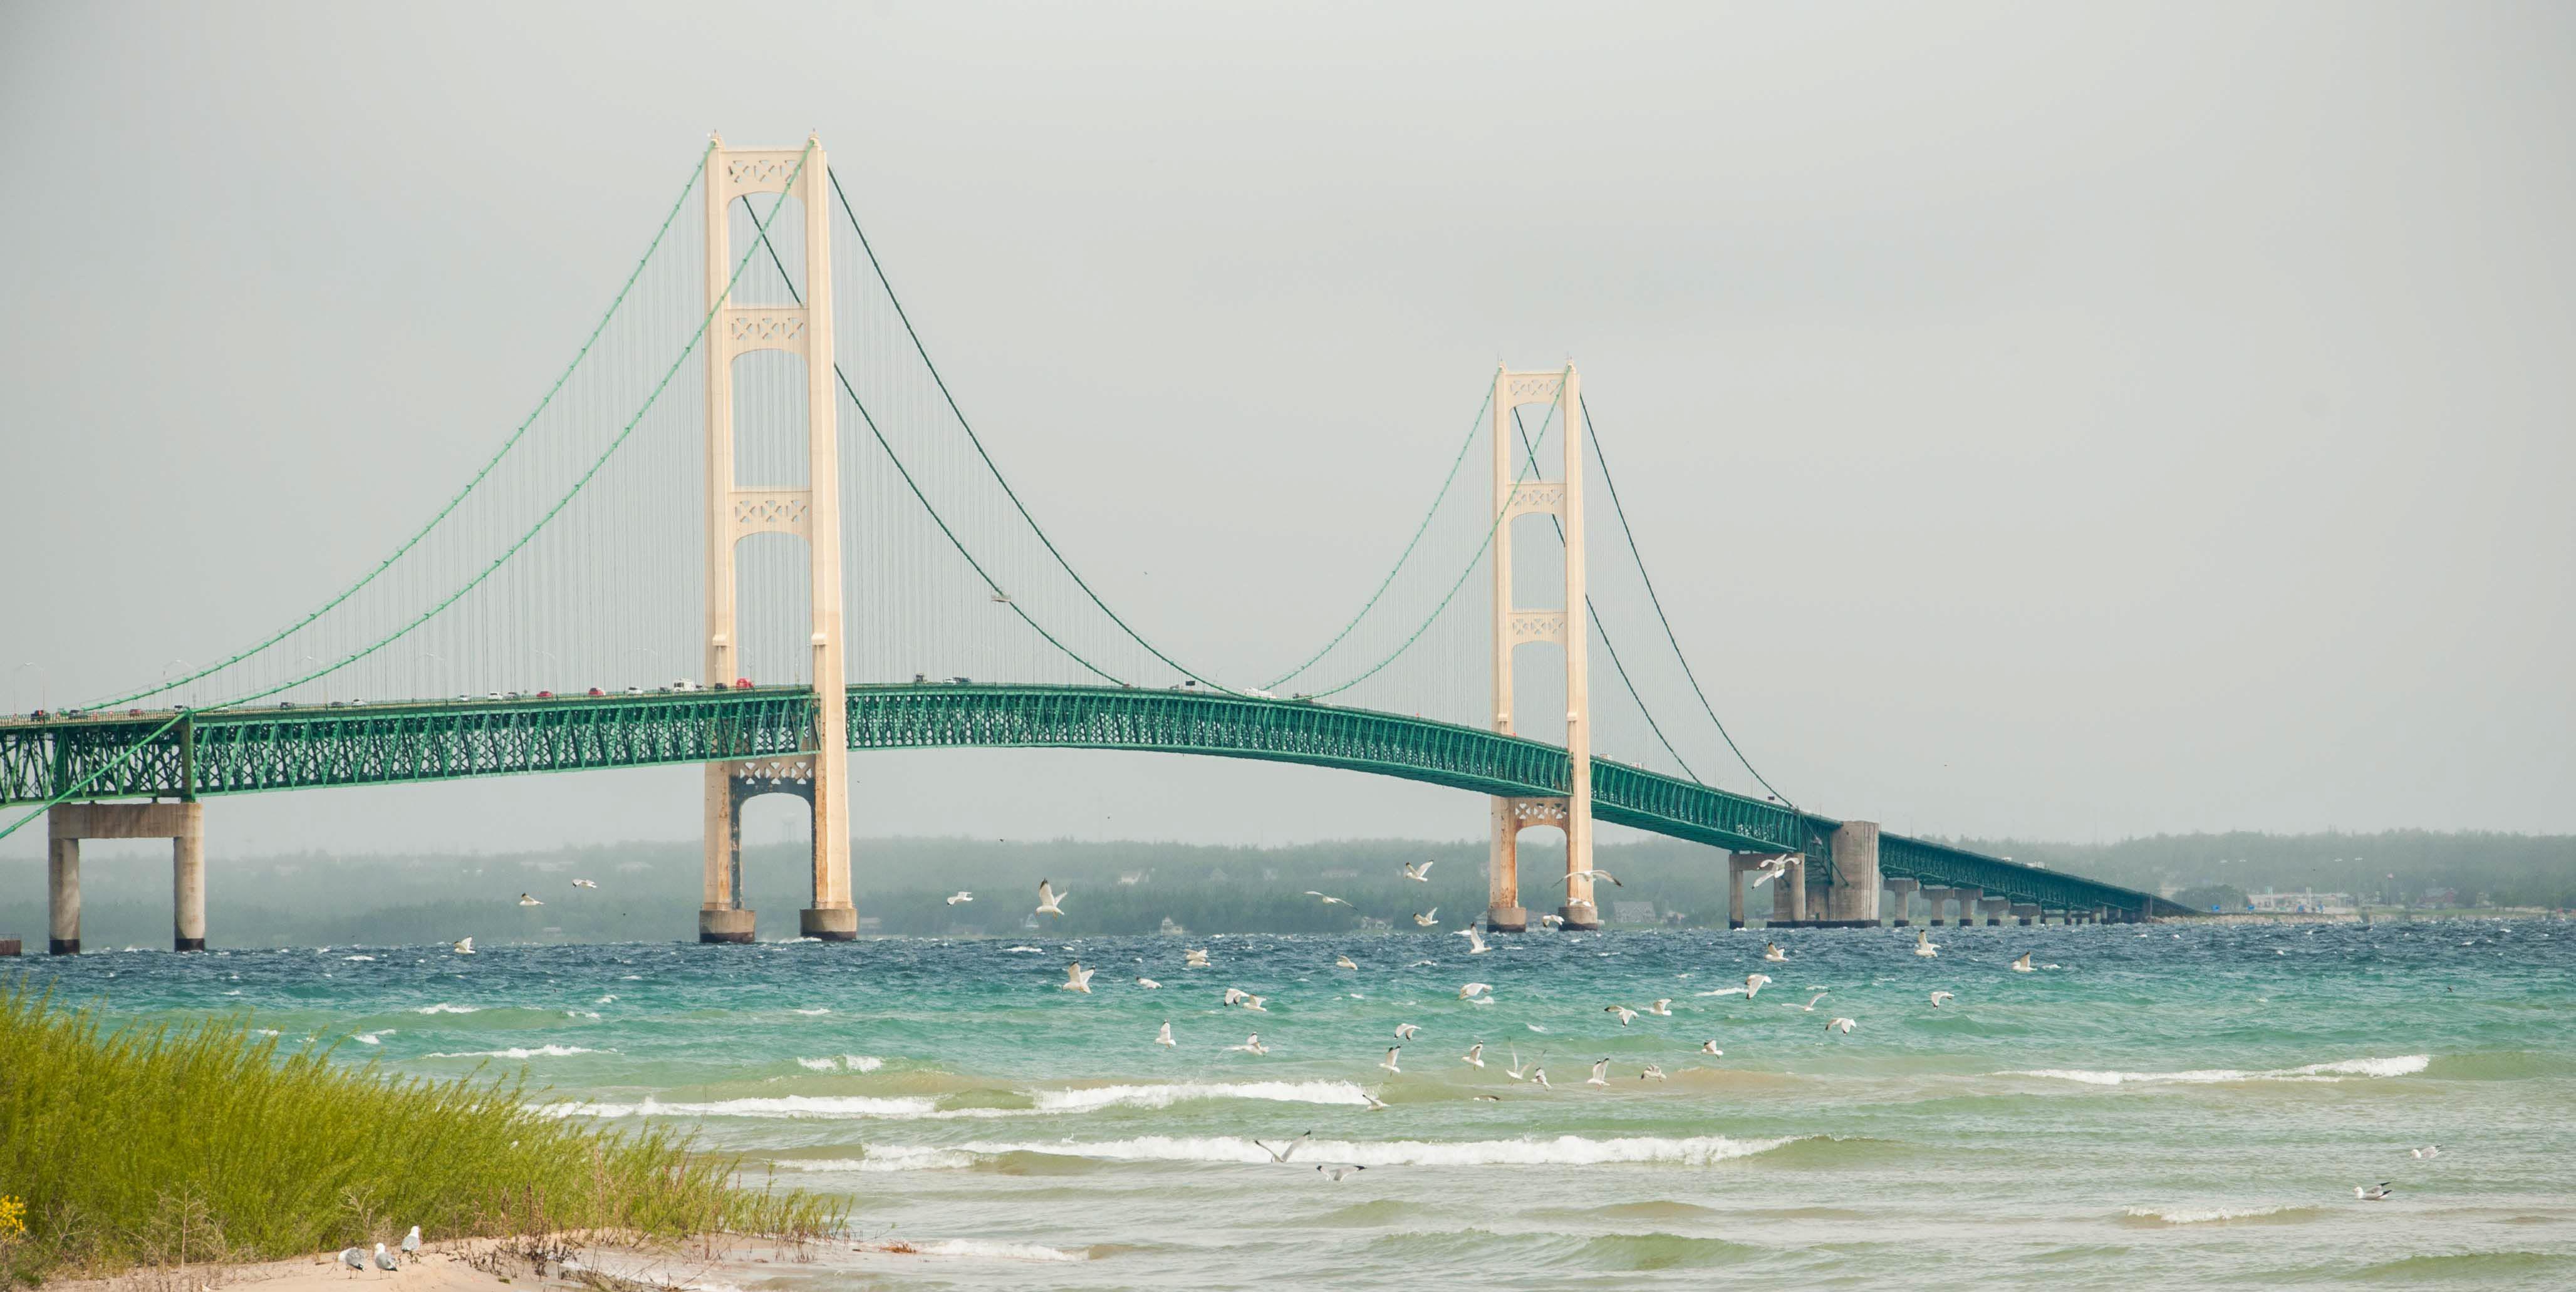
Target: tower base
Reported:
[(1581, 919), (724, 926), (1506, 919), (829, 924)]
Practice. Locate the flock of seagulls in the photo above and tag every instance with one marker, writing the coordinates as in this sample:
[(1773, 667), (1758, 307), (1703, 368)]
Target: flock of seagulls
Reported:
[(356, 1260)]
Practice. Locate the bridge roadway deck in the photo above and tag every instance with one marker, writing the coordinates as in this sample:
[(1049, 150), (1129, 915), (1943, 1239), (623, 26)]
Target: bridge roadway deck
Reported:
[(242, 751)]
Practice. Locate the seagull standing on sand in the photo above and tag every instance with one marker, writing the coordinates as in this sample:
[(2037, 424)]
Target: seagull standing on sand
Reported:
[(411, 1244), (529, 900), (1422, 921), (1622, 1011), (1419, 874), (2022, 965), (961, 895), (1600, 1073), (1475, 1055), (357, 1260), (1164, 1037), (1844, 1023), (386, 1260), (1388, 1062), (1050, 902)]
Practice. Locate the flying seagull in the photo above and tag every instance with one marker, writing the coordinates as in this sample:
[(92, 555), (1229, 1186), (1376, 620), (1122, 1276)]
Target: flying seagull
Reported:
[(1475, 1055), (1281, 1153), (1254, 1003), (1422, 921), (1754, 983), (1595, 874), (1940, 996), (1419, 874), (1236, 995), (1388, 1062), (1050, 902), (527, 900), (1600, 1073), (1194, 958), (1923, 944), (1251, 1045), (2429, 1150), (1405, 1031), (1662, 1008), (585, 883), (1844, 1023), (1475, 940), (1375, 1104), (1810, 1006), (1164, 1037), (2022, 965), (961, 895), (1344, 962), (1653, 1072), (1149, 984), (1771, 951), (1539, 1076), (1710, 1047), (1772, 868), (463, 947), (1077, 978), (2379, 1192), (1337, 1172), (1471, 990), (1328, 901), (1622, 1011)]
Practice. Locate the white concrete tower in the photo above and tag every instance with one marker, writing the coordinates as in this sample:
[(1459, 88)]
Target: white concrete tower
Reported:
[(820, 773), (1513, 626)]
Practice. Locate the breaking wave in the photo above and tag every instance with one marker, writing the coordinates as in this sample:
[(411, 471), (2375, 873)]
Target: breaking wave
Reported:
[(2400, 1066), (521, 1052), (1564, 1150), (842, 1063), (2250, 1213), (783, 1106), (1090, 1098)]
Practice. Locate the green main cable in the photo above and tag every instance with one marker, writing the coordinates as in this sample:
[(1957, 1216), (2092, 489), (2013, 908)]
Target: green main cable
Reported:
[(1622, 512), (103, 769), (471, 484), (1442, 608), (906, 473), (1592, 613), (989, 465), (578, 485), (1401, 557)]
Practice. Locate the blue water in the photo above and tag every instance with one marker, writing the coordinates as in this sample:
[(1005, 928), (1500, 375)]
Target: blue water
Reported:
[(2192, 1104)]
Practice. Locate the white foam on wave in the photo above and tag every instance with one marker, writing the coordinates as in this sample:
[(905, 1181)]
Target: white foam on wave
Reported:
[(1090, 1098), (842, 1063), (2400, 1066), (1564, 1150), (2204, 1215), (782, 1106), (991, 1249), (521, 1052), (444, 1008)]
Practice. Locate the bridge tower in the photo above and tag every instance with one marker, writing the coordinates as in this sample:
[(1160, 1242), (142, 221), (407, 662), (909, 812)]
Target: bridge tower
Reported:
[(819, 773), (1513, 627)]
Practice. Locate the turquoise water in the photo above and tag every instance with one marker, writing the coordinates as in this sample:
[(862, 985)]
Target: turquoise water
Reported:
[(2190, 1104)]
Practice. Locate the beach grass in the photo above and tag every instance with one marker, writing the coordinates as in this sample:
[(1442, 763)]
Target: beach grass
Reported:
[(173, 1145)]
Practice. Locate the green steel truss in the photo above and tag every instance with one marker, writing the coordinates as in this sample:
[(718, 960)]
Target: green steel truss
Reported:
[(245, 751)]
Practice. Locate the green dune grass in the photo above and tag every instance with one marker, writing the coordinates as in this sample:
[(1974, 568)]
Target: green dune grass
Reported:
[(163, 1145)]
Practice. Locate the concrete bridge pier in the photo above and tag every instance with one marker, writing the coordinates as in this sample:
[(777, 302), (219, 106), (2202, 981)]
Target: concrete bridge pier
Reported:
[(1853, 894), (1738, 865), (1503, 910), (2025, 913), (1936, 905), (1995, 909), (1900, 900), (1789, 892), (1969, 900), (183, 824)]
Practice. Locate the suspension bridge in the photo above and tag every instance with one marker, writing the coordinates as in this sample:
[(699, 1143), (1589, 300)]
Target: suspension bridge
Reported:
[(754, 436)]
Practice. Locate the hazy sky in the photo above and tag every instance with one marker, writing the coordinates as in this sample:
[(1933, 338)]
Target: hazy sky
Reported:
[(2047, 419)]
